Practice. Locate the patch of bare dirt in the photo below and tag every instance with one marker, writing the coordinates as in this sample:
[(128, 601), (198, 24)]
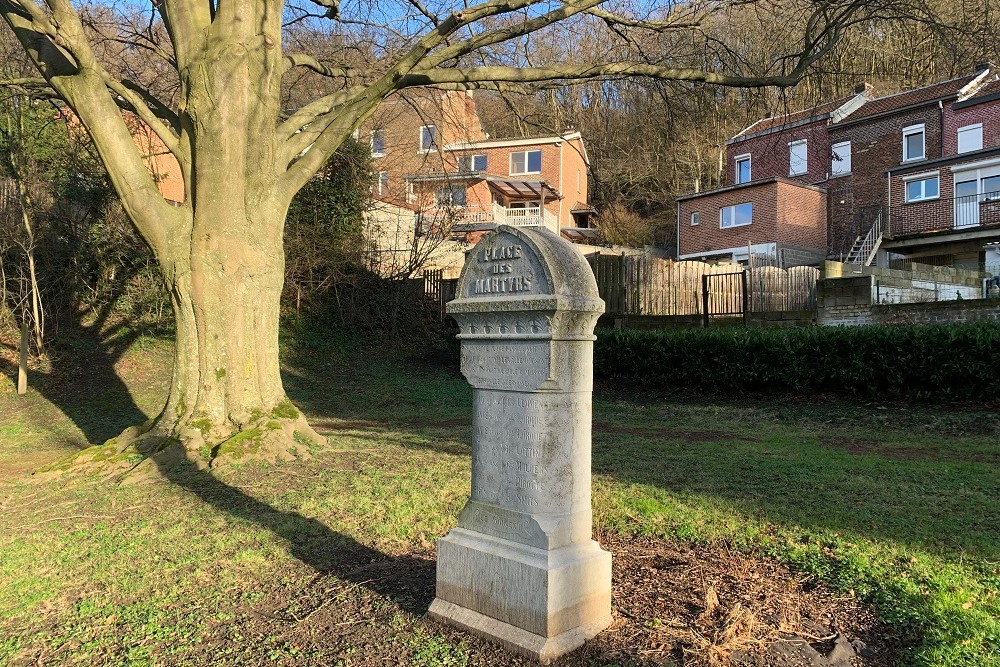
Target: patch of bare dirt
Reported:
[(673, 605), (865, 447)]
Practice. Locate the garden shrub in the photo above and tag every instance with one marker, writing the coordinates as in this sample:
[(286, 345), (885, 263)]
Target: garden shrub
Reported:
[(924, 361)]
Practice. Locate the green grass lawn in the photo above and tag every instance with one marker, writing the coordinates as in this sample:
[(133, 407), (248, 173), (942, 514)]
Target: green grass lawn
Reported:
[(897, 504)]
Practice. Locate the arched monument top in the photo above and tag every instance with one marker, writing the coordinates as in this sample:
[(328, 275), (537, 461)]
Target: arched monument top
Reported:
[(528, 269)]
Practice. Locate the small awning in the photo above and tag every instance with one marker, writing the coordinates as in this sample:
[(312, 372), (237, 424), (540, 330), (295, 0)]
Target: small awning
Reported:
[(581, 207), (513, 188), (579, 233)]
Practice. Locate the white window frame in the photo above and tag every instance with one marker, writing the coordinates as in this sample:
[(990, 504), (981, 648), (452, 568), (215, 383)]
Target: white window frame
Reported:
[(918, 178), (910, 131), (746, 157), (383, 183), (452, 189), (371, 142), (471, 157), (792, 145), (526, 162), (969, 128), (433, 141), (694, 218), (722, 216), (841, 162)]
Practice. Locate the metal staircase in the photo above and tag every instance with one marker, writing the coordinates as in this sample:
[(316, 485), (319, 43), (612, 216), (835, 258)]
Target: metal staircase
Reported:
[(866, 247)]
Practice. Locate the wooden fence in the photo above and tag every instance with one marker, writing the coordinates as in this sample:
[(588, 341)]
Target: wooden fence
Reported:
[(639, 285)]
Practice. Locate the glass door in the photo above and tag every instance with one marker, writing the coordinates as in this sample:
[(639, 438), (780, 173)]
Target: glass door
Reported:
[(966, 204)]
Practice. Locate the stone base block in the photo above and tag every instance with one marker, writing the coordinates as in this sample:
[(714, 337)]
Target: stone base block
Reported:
[(540, 603)]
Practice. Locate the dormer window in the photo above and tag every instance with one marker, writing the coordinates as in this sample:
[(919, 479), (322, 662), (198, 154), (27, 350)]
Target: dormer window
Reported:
[(742, 169), (913, 143)]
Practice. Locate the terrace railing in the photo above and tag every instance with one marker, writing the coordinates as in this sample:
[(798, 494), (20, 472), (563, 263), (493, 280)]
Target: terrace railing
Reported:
[(945, 214)]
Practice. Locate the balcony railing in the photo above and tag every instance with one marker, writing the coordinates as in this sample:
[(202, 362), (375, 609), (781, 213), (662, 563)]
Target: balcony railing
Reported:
[(532, 216), (945, 214)]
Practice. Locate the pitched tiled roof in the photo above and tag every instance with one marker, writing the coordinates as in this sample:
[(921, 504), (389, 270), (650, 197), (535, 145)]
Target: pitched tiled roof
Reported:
[(775, 122), (908, 98)]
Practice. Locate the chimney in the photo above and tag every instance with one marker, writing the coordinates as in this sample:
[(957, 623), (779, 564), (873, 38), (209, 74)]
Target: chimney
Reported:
[(863, 88), (982, 66)]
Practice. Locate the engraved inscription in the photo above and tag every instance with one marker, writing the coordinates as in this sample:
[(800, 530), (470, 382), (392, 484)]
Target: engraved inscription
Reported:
[(516, 440), (497, 365), (503, 285), (503, 259), (504, 264)]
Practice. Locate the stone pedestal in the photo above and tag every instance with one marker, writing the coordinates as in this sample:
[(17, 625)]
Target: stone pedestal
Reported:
[(521, 566)]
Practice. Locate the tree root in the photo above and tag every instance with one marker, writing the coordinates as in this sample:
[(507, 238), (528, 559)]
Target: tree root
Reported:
[(145, 453)]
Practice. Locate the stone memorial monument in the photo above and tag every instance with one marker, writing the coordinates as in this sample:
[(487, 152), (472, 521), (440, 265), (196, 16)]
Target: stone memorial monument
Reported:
[(521, 566)]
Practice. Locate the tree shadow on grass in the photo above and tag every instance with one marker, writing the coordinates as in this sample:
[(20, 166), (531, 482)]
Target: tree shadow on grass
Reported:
[(789, 469), (407, 580), (82, 381)]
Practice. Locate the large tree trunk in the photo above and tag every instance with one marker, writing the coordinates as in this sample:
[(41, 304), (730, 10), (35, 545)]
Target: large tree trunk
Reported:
[(225, 273), (226, 399)]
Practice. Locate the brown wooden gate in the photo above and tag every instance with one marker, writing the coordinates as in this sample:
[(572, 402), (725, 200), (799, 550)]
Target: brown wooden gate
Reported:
[(724, 295)]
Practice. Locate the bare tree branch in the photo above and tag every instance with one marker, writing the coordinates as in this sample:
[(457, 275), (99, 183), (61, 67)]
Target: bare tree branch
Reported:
[(137, 100), (307, 61)]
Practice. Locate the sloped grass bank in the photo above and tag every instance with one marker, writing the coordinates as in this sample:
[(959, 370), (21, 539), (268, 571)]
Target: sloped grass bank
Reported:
[(893, 503)]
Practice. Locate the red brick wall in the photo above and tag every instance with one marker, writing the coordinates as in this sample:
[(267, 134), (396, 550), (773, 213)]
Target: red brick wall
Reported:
[(783, 212), (922, 216), (561, 164), (987, 113), (400, 118), (455, 117), (770, 153), (707, 236), (801, 219), (876, 145)]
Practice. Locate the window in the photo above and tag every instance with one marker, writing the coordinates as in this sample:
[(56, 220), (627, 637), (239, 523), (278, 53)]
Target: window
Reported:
[(798, 158), (924, 188), (991, 188), (736, 216), (913, 143), (526, 162), (694, 219), (840, 160), (970, 138), (743, 169), (383, 183), (428, 138), (470, 163), (378, 143), (450, 195)]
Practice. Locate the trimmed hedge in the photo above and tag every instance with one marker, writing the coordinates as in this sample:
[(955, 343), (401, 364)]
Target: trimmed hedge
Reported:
[(925, 361)]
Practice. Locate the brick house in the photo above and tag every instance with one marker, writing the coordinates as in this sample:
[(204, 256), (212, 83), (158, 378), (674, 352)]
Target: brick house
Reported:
[(774, 202), (906, 176), (945, 208), (431, 154)]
